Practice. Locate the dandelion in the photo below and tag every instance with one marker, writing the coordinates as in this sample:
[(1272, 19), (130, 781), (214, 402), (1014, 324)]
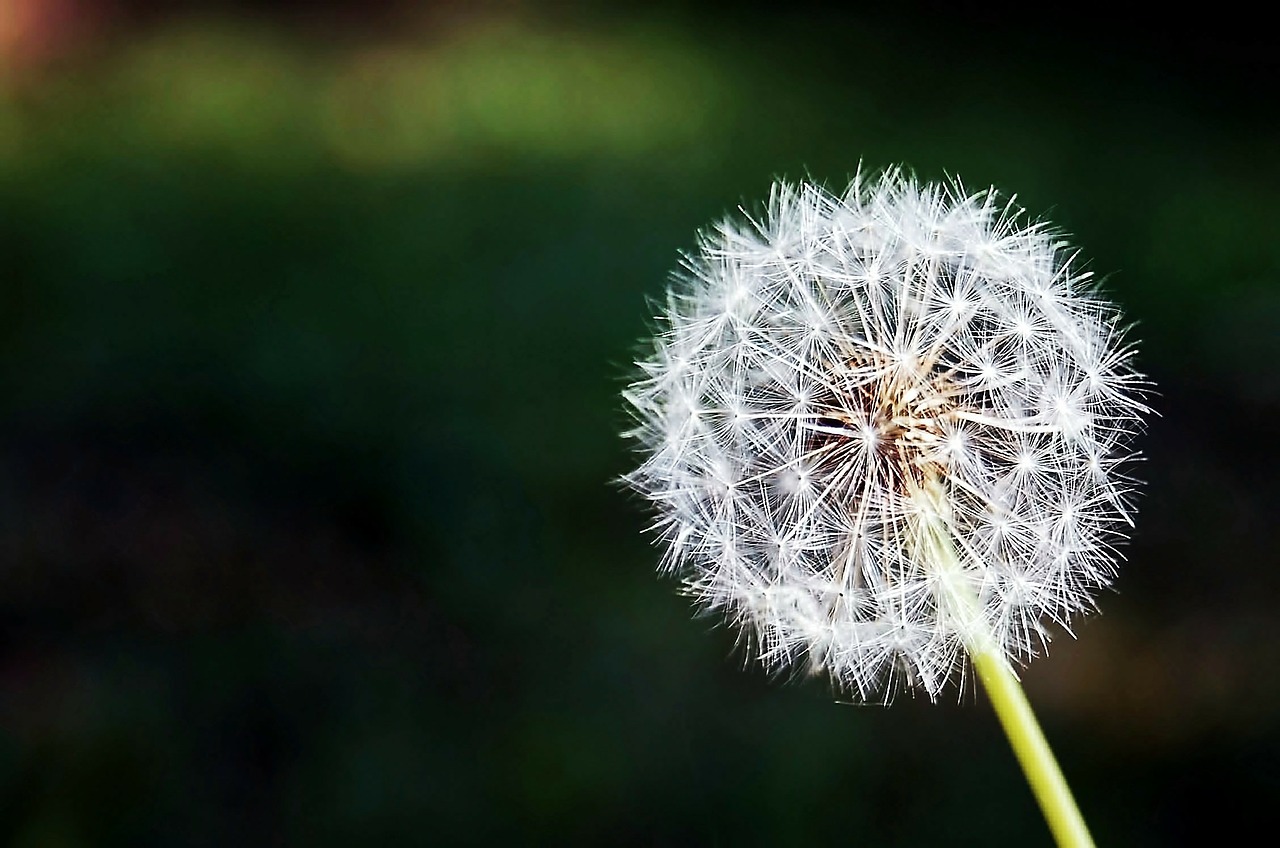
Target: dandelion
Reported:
[(885, 433)]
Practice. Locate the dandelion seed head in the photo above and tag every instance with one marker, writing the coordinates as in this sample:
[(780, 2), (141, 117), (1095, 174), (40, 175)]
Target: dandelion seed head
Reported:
[(835, 374)]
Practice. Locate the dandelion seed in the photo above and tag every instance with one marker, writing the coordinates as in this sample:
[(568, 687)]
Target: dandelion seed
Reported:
[(846, 372), (884, 433)]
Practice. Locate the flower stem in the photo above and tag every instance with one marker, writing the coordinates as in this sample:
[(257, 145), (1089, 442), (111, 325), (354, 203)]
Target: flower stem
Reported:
[(959, 597), (1032, 750)]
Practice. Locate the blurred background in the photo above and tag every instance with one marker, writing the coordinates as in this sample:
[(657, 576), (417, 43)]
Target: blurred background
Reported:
[(313, 318)]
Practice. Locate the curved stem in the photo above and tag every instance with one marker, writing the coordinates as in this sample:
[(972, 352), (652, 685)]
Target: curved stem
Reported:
[(958, 596)]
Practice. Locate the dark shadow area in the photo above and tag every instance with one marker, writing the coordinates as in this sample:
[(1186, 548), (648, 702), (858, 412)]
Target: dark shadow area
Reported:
[(311, 340)]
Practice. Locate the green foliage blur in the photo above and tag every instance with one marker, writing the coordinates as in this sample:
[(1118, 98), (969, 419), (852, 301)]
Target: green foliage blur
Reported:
[(311, 339)]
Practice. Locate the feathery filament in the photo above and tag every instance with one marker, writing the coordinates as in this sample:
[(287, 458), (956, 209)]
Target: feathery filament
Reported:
[(849, 382)]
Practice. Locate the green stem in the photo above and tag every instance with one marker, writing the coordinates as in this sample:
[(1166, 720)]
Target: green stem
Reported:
[(958, 595), (1032, 750)]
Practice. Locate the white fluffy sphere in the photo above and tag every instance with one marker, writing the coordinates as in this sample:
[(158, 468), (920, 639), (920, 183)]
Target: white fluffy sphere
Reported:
[(823, 375)]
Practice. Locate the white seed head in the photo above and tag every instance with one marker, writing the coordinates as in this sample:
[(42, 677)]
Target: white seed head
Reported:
[(849, 370)]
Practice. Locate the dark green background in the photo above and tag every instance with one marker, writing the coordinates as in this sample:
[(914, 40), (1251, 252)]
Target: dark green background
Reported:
[(312, 327)]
